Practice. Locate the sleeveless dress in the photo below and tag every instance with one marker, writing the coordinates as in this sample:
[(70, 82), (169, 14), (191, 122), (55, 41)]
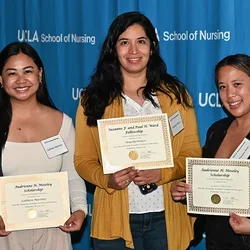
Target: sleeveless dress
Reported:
[(30, 158)]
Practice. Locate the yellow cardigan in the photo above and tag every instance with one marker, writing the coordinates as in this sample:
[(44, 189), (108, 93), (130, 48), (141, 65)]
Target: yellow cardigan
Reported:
[(110, 218)]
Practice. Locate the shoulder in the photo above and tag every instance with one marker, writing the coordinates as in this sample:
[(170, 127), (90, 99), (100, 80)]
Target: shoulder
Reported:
[(67, 119), (215, 136), (50, 118), (221, 125), (165, 98), (67, 125), (59, 120), (169, 96), (51, 113), (217, 130)]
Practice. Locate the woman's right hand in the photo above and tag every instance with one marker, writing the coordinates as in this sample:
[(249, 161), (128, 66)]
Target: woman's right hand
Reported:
[(240, 225), (179, 189), (2, 228), (121, 179)]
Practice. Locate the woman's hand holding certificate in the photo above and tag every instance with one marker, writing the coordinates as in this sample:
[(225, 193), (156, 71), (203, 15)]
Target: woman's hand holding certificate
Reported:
[(141, 141), (219, 186)]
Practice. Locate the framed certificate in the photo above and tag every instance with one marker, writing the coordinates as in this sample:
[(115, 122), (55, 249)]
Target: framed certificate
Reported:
[(140, 141), (34, 201), (219, 186)]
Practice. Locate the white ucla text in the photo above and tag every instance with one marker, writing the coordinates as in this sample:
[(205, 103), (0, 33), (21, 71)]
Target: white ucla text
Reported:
[(34, 36), (211, 99), (77, 93), (200, 35)]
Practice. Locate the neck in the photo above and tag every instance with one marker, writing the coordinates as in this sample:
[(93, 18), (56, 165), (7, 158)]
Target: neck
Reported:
[(24, 109), (243, 122), (132, 83)]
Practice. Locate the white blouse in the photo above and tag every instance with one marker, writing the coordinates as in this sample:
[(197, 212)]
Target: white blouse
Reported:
[(152, 202), (30, 158)]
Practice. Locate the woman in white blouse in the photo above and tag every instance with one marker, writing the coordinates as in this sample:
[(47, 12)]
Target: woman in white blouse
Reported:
[(28, 116), (132, 208)]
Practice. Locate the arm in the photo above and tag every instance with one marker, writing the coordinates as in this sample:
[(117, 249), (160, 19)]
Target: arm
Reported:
[(77, 188), (87, 153)]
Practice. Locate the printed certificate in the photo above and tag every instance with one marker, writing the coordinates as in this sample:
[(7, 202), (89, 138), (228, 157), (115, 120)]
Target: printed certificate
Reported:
[(34, 201), (140, 141), (219, 186)]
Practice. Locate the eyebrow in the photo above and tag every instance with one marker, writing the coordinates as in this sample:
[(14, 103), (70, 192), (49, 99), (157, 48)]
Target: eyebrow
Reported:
[(27, 67), (235, 80), (142, 37), (238, 79)]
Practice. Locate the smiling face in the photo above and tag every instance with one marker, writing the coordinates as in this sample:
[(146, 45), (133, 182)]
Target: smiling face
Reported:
[(234, 90), (133, 50), (20, 77)]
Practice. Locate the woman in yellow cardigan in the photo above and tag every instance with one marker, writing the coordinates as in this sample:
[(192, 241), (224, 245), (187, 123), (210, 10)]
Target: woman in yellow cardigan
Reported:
[(130, 79)]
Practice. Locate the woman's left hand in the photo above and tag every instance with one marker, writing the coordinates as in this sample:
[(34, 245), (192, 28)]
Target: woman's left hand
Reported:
[(147, 176), (240, 225), (74, 223)]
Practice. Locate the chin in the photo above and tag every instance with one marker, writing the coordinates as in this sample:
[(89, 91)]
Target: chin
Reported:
[(238, 115)]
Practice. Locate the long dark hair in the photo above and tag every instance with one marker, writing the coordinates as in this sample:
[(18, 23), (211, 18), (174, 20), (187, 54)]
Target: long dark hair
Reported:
[(42, 94), (107, 82)]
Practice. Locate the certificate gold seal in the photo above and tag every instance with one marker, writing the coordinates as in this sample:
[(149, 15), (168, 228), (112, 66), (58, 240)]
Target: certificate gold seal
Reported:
[(31, 213), (133, 155), (215, 198)]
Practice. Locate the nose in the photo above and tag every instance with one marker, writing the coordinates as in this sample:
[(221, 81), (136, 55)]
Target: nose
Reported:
[(231, 92), (21, 78), (133, 48)]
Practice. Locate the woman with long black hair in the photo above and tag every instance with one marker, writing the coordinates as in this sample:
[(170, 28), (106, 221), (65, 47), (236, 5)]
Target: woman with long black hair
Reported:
[(28, 116), (130, 79)]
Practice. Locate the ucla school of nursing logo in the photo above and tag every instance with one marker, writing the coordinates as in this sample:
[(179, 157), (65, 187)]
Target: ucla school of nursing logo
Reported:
[(34, 36), (197, 35), (209, 99)]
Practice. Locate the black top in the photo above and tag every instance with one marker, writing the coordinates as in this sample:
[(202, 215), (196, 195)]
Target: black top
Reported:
[(219, 234)]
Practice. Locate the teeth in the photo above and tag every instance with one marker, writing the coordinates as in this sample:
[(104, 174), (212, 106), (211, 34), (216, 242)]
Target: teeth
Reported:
[(22, 89), (133, 59), (234, 103)]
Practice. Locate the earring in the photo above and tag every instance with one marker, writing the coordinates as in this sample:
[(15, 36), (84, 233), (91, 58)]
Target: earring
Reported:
[(151, 52)]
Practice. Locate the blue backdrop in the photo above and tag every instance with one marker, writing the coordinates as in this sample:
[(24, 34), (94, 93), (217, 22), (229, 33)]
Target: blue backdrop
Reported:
[(194, 35)]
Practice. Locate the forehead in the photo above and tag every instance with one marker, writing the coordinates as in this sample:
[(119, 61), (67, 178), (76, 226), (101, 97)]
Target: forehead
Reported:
[(230, 71), (134, 30), (18, 60)]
